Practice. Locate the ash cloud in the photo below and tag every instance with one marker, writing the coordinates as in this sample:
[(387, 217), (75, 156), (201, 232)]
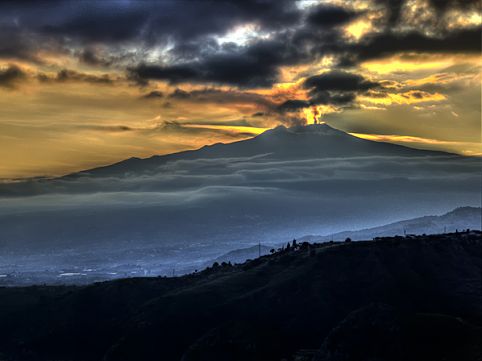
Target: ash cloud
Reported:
[(335, 88)]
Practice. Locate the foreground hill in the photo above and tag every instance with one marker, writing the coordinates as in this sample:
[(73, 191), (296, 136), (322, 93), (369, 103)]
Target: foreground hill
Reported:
[(395, 299)]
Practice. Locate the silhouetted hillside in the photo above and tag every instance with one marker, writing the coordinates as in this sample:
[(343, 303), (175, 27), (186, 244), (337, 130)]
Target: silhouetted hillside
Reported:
[(243, 254), (396, 299)]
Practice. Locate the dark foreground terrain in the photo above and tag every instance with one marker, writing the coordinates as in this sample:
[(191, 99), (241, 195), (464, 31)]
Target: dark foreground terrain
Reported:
[(417, 298)]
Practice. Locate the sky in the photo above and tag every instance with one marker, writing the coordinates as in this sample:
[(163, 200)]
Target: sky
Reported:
[(84, 84)]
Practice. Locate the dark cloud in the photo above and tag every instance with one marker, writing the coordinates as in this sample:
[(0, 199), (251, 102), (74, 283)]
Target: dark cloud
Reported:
[(388, 41), (106, 128), (71, 75), (459, 41), (12, 45), (10, 75), (200, 18), (180, 94), (234, 123), (257, 65), (325, 97), (376, 94), (251, 66), (318, 98), (339, 81), (328, 16), (155, 94), (218, 96), (293, 105), (17, 43), (258, 114), (337, 87), (90, 57), (187, 30), (394, 8), (68, 75), (173, 74), (149, 21), (415, 94), (443, 5), (99, 23), (202, 129)]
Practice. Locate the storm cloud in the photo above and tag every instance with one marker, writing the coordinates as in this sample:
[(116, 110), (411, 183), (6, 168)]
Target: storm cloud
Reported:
[(461, 41), (293, 36)]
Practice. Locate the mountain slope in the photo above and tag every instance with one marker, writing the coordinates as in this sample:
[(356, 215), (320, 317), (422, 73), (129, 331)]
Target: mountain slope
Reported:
[(281, 143), (320, 301), (459, 219)]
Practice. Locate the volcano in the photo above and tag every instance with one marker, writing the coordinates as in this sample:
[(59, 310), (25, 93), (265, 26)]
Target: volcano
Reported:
[(313, 141), (169, 213)]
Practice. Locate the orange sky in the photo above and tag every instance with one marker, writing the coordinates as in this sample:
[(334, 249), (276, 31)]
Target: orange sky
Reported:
[(59, 114)]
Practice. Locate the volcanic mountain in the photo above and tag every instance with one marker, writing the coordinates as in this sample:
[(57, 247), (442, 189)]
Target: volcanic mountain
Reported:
[(167, 211), (313, 141)]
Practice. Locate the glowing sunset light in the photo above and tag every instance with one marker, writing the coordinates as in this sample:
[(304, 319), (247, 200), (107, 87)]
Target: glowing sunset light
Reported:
[(163, 79)]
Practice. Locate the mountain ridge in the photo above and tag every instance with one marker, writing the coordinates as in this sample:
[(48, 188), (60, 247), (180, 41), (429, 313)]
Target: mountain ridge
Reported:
[(466, 217), (460, 218), (270, 142)]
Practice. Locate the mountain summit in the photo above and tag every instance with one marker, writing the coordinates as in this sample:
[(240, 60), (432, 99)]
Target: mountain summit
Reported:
[(313, 141)]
